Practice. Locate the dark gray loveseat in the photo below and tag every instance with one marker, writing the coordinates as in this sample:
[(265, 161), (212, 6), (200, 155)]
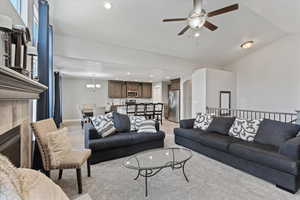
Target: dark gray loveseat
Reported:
[(275, 159), (123, 143)]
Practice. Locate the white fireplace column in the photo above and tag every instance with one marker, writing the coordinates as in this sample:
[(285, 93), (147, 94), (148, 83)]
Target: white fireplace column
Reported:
[(298, 116)]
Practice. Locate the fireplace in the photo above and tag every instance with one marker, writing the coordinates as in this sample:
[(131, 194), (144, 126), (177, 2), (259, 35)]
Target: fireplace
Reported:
[(16, 95), (10, 145)]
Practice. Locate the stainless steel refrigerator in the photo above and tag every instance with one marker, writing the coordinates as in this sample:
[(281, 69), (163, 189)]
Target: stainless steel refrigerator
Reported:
[(174, 105)]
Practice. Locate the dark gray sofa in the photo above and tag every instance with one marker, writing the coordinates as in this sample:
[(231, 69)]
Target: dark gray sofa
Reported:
[(276, 164), (120, 144)]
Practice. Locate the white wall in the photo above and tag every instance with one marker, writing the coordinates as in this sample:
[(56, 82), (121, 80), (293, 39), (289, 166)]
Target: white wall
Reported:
[(268, 79), (198, 91), (206, 87), (216, 81), (7, 9), (74, 93)]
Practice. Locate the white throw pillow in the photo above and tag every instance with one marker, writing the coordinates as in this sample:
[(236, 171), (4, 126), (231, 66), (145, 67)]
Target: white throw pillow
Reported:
[(245, 129), (147, 126), (203, 121), (135, 122), (59, 146)]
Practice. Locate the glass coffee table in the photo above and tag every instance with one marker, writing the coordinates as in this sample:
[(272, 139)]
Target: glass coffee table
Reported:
[(149, 163)]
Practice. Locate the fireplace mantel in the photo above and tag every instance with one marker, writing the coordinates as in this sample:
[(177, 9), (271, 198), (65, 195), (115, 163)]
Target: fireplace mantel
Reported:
[(15, 86), (16, 93)]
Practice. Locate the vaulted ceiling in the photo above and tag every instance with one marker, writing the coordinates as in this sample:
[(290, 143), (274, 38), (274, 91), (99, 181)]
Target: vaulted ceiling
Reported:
[(137, 25)]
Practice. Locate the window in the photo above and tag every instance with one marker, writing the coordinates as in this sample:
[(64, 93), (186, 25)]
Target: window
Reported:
[(21, 7), (17, 5), (35, 36)]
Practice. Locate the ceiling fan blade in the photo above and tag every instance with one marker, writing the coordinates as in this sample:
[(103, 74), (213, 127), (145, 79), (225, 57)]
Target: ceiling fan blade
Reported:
[(198, 6), (210, 26), (223, 10), (184, 30), (174, 20)]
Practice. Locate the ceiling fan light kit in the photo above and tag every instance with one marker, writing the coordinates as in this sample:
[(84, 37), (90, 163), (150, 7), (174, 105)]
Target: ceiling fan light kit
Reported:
[(196, 20), (198, 17), (247, 45)]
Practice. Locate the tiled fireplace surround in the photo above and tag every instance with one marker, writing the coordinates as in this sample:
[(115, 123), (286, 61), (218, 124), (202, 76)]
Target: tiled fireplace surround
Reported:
[(16, 95), (16, 113)]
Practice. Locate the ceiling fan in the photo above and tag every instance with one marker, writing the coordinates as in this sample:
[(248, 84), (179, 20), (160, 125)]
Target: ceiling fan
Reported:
[(198, 17)]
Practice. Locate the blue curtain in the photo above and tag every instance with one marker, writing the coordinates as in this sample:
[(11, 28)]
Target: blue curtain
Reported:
[(45, 62), (57, 99), (45, 72)]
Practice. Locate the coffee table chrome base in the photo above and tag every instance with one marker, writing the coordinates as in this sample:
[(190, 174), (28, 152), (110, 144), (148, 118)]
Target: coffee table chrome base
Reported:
[(147, 173)]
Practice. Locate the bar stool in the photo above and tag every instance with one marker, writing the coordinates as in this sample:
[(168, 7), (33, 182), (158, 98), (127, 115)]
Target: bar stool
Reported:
[(140, 109), (149, 111), (130, 109), (158, 112)]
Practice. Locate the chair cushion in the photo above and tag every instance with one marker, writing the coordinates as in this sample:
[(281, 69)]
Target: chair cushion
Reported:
[(192, 134), (121, 122), (217, 141), (275, 132), (214, 140), (265, 155), (74, 159), (221, 125), (124, 139)]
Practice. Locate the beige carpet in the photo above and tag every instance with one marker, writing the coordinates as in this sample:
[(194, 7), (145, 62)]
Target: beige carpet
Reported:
[(209, 180)]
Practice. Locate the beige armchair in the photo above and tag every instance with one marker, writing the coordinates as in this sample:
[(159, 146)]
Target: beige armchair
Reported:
[(73, 160)]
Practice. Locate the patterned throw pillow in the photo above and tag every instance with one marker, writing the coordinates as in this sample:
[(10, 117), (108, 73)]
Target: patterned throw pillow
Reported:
[(203, 121), (245, 129), (108, 129), (147, 126), (104, 124), (135, 122)]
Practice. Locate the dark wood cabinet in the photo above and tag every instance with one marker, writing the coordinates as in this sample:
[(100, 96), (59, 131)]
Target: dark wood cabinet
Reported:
[(146, 90), (115, 89), (119, 89), (124, 90)]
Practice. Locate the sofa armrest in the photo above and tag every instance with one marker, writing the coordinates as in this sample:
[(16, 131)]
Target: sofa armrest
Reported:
[(187, 123), (291, 148), (90, 133)]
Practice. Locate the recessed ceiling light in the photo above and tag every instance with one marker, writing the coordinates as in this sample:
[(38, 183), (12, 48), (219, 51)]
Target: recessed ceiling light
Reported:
[(151, 76), (197, 34), (128, 73), (107, 5), (247, 45), (168, 77)]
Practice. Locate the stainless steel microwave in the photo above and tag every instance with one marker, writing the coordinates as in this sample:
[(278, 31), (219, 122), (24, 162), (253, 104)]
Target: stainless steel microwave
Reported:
[(132, 94)]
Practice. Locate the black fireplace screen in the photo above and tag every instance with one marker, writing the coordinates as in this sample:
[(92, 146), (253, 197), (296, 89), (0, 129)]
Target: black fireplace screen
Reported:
[(10, 145)]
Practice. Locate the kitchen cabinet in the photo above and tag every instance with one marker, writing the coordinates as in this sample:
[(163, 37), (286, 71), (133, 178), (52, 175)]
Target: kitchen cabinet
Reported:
[(115, 89), (120, 89), (146, 90)]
